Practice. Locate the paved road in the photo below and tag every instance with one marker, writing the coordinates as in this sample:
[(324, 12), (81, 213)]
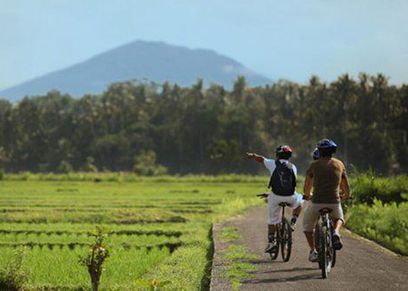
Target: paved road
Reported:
[(361, 265)]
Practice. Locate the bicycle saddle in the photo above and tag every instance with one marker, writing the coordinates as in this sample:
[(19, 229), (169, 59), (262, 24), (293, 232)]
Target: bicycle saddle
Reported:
[(283, 204), (325, 210)]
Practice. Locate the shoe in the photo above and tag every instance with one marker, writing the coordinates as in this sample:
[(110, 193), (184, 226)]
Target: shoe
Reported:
[(271, 247), (293, 222), (313, 256), (337, 243)]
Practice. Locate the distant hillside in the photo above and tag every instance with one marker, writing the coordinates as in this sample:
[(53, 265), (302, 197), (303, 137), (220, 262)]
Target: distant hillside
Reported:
[(155, 61)]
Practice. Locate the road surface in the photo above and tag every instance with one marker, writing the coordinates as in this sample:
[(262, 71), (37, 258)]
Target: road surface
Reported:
[(361, 264)]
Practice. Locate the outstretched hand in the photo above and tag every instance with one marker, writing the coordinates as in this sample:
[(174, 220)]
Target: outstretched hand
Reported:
[(253, 156)]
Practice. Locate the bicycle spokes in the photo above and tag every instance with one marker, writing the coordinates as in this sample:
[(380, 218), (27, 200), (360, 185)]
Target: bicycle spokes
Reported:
[(286, 240)]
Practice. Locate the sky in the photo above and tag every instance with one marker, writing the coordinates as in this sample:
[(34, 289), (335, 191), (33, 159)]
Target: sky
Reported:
[(281, 39)]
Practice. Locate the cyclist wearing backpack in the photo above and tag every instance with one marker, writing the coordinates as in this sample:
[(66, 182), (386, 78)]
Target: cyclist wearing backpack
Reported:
[(283, 185), (327, 176)]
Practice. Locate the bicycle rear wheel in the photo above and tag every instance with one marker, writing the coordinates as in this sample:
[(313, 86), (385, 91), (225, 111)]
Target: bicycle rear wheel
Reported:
[(325, 253), (318, 240), (286, 240)]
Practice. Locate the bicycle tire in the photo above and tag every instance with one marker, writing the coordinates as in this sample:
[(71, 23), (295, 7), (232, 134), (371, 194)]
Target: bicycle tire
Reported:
[(286, 240), (326, 256), (317, 240), (323, 252)]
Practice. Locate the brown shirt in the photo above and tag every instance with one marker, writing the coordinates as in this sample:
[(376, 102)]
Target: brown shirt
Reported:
[(326, 174)]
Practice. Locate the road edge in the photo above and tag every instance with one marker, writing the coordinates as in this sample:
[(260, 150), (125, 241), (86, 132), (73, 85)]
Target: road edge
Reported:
[(217, 281), (372, 243)]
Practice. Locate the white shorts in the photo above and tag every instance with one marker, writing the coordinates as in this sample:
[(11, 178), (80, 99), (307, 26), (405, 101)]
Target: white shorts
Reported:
[(275, 211)]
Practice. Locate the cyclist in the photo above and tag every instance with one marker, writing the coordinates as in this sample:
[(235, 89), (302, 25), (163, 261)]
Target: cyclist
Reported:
[(326, 176), (281, 170)]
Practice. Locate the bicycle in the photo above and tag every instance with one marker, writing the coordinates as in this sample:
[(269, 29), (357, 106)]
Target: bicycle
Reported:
[(283, 234), (324, 241)]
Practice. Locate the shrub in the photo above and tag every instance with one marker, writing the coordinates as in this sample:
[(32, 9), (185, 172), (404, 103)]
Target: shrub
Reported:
[(95, 258), (145, 164), (65, 167), (385, 223), (12, 276), (89, 165), (366, 188)]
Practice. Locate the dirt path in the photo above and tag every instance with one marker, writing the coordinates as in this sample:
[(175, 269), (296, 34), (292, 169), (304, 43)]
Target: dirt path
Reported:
[(361, 265)]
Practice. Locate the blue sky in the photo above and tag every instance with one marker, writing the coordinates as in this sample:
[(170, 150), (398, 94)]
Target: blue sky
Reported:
[(289, 39)]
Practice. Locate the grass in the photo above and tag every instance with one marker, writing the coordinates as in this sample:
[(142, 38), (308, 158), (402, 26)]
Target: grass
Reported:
[(386, 224), (12, 275), (131, 177), (368, 187), (379, 210), (236, 258), (159, 228), (229, 234)]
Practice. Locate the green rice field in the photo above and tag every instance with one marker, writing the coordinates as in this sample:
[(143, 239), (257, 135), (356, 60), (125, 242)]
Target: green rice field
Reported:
[(158, 229)]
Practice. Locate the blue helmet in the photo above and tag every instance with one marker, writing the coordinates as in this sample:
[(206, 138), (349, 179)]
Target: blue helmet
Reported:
[(326, 144), (316, 154)]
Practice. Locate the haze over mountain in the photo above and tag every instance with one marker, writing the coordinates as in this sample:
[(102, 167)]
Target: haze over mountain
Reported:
[(139, 60)]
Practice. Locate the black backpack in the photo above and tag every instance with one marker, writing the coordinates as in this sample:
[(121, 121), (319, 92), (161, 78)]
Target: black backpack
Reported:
[(283, 179)]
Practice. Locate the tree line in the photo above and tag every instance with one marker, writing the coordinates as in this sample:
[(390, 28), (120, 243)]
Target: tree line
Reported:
[(151, 128)]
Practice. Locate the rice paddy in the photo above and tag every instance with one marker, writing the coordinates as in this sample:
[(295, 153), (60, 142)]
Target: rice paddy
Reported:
[(156, 229)]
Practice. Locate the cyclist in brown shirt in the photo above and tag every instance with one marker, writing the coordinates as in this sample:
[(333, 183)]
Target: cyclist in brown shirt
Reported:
[(326, 176)]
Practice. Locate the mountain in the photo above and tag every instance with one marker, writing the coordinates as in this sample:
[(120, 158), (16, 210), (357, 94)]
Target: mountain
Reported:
[(139, 60)]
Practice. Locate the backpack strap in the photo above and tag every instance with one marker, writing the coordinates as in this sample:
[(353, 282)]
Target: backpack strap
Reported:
[(277, 165), (290, 166)]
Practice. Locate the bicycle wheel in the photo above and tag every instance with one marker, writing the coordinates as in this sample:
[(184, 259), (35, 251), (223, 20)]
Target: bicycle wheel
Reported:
[(318, 240), (325, 254), (286, 240)]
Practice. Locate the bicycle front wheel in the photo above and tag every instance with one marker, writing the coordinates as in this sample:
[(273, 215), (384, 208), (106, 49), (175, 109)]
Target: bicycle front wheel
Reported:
[(286, 240)]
